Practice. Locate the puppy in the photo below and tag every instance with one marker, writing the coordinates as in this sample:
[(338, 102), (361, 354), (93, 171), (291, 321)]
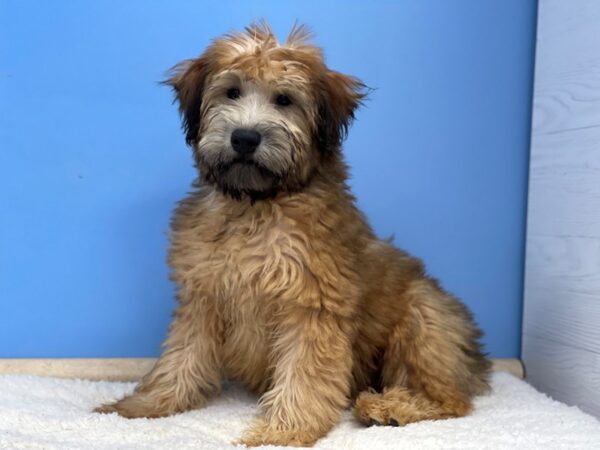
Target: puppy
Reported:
[(282, 283)]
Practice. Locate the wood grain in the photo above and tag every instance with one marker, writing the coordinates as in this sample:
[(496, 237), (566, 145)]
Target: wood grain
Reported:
[(564, 185), (577, 369), (109, 369), (567, 77), (568, 318), (570, 266), (561, 318), (132, 369)]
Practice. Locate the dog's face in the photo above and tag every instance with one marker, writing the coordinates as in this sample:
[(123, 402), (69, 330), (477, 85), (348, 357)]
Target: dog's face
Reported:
[(263, 117)]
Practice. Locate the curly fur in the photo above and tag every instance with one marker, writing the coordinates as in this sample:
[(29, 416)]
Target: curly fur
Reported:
[(282, 284)]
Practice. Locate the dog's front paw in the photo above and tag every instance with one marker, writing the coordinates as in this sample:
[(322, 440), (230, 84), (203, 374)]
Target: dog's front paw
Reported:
[(107, 408), (135, 406), (262, 433)]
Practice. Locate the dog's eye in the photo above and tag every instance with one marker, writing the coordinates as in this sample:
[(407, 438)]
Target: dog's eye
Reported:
[(233, 93), (283, 100)]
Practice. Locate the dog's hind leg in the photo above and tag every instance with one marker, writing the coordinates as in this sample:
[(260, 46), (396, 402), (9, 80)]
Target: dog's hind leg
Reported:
[(432, 366), (187, 371)]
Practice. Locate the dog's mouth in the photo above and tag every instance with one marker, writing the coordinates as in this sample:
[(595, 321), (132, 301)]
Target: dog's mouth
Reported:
[(248, 163), (244, 175), (245, 162)]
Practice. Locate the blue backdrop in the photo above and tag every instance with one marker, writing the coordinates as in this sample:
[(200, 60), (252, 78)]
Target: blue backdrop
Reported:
[(92, 159)]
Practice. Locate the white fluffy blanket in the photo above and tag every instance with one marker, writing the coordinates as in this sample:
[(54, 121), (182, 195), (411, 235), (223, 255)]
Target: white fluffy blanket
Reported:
[(51, 413)]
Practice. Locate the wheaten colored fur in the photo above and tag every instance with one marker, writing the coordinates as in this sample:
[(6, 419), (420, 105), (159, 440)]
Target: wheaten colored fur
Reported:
[(282, 283)]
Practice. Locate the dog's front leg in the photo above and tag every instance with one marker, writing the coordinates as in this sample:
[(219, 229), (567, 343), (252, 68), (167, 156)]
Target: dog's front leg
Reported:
[(311, 380), (186, 372)]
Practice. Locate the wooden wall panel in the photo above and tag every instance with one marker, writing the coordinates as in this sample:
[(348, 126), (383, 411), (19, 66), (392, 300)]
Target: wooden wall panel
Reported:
[(561, 322)]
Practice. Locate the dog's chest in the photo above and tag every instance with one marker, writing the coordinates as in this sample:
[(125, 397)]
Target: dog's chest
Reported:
[(249, 261), (248, 257), (243, 260)]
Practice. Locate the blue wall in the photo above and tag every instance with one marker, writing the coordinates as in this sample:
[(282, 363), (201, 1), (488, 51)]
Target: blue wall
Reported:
[(92, 159)]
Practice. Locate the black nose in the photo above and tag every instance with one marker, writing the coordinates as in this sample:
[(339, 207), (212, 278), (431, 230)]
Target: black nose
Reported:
[(245, 141)]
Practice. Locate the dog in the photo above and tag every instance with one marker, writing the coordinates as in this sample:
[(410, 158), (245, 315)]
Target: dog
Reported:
[(282, 283)]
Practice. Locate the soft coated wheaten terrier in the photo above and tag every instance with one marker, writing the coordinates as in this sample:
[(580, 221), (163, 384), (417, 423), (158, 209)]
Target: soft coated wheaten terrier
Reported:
[(281, 282)]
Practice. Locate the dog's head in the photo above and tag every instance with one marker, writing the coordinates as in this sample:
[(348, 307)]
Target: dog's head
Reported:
[(262, 117)]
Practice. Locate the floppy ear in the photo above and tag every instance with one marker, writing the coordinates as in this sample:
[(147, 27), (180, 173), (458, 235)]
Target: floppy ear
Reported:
[(341, 95), (187, 80)]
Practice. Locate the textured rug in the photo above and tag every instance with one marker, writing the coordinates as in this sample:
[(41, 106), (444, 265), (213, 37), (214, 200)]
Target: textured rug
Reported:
[(52, 413)]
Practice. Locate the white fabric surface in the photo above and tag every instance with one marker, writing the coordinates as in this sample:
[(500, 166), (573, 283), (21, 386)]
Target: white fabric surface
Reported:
[(51, 413)]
